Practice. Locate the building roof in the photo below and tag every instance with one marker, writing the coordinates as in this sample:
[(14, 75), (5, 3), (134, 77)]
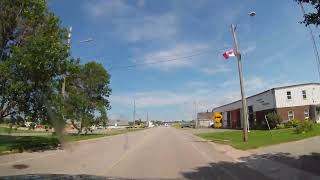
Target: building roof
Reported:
[(204, 115), (272, 89), (119, 122)]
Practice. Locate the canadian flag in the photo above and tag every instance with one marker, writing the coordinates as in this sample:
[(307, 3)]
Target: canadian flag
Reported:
[(229, 53)]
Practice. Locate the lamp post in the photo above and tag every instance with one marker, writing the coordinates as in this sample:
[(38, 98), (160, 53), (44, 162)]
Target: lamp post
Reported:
[(63, 88)]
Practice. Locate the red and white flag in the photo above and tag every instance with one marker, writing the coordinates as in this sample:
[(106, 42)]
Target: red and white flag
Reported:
[(229, 53)]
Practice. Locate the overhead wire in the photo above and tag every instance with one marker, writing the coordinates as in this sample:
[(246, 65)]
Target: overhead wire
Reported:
[(182, 58)]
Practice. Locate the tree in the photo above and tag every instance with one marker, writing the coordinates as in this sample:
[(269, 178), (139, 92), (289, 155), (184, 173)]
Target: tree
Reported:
[(18, 20), (273, 119), (103, 119), (87, 92), (33, 57), (138, 122), (313, 17)]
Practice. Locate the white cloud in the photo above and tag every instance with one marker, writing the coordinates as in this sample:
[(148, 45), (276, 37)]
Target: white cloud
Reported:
[(152, 27), (151, 99), (109, 8), (131, 22), (249, 49), (202, 96), (216, 69), (140, 3), (172, 54), (197, 84)]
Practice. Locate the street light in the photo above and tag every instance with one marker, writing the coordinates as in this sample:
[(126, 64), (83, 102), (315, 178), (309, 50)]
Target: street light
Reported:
[(63, 88), (244, 101), (86, 40), (252, 13)]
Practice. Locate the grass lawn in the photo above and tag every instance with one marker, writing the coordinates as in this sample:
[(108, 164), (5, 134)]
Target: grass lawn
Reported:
[(76, 137), (258, 138), (10, 143), (7, 130)]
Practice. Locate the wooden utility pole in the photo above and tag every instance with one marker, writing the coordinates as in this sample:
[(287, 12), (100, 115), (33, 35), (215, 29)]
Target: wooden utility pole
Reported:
[(244, 101)]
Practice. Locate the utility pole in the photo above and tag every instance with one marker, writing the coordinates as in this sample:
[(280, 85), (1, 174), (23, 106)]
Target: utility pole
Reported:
[(147, 116), (244, 102), (315, 48), (63, 88), (134, 111), (195, 114)]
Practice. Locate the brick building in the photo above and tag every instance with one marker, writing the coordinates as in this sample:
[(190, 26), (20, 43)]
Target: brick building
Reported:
[(299, 101)]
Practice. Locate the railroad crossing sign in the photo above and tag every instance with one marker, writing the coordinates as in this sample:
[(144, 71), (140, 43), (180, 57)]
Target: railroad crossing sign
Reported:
[(217, 116)]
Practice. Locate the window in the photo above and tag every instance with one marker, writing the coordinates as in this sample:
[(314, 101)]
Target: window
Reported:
[(289, 95), (306, 114), (304, 94), (290, 115)]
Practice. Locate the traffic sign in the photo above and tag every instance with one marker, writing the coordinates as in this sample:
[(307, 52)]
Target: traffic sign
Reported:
[(217, 116)]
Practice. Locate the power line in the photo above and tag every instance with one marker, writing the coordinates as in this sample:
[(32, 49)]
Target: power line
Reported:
[(315, 48), (183, 58)]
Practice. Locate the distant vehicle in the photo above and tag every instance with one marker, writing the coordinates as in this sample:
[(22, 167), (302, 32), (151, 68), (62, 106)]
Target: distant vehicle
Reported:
[(187, 125), (166, 124)]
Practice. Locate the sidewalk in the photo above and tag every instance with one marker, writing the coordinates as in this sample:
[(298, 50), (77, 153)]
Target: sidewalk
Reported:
[(292, 161)]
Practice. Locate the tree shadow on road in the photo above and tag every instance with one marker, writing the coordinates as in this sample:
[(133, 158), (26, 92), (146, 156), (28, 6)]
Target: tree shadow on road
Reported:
[(58, 176), (243, 170), (227, 170)]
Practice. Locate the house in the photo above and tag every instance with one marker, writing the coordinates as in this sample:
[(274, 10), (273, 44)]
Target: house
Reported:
[(205, 119), (113, 124), (300, 101)]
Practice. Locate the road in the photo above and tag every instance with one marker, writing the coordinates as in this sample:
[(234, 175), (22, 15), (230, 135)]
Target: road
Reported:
[(157, 153)]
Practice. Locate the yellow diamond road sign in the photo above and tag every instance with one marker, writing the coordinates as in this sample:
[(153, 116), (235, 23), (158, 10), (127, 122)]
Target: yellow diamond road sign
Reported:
[(217, 116)]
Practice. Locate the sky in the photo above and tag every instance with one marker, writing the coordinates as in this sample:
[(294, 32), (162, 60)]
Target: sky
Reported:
[(167, 55)]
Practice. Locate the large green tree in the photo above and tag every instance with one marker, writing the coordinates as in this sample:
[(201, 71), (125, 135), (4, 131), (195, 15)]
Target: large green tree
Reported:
[(87, 92), (312, 17), (34, 56)]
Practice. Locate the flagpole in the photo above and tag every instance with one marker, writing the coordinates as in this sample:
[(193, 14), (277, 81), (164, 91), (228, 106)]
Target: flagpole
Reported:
[(244, 102)]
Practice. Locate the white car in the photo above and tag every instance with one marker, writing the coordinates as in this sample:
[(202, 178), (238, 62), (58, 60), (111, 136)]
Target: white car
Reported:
[(166, 124)]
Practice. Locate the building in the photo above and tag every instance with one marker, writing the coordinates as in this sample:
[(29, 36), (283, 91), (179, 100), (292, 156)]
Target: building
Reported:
[(113, 124), (205, 119), (150, 124), (301, 101)]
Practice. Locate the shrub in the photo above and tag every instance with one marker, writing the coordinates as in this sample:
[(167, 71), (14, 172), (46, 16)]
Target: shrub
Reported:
[(304, 126), (280, 126), (296, 122), (32, 126), (292, 123), (273, 119), (288, 124)]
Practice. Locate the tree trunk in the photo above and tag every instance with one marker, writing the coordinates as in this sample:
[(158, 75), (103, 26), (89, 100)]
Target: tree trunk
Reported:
[(75, 126)]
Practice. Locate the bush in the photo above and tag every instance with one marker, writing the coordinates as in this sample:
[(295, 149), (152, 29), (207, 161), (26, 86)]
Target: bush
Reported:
[(273, 119), (292, 123), (304, 126), (280, 126), (32, 126)]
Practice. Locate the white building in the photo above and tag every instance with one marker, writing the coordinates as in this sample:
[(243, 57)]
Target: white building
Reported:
[(299, 101)]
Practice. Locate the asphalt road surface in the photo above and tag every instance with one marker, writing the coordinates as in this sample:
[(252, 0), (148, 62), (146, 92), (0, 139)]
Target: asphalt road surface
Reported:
[(157, 153)]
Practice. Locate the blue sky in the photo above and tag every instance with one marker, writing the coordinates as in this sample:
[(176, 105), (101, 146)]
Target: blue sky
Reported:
[(276, 50)]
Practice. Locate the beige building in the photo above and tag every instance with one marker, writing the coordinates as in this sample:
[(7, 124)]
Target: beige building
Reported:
[(205, 119)]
